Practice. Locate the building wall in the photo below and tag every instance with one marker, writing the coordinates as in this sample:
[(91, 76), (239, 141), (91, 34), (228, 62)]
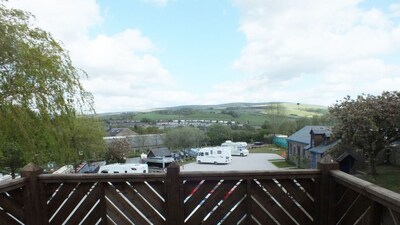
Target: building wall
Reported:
[(298, 155)]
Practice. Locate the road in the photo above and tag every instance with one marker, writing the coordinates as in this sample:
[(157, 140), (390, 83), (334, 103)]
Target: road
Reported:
[(252, 162)]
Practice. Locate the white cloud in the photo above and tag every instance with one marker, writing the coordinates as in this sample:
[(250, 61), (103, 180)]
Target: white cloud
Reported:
[(336, 42), (123, 72), (66, 20), (157, 2)]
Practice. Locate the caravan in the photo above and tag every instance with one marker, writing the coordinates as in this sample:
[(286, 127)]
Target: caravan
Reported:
[(237, 148), (214, 155), (124, 168)]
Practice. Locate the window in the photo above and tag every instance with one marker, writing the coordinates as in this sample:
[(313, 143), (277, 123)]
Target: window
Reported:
[(104, 171), (219, 152), (207, 154), (211, 152)]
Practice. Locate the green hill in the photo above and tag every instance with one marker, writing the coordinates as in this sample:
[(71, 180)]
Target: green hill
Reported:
[(250, 113)]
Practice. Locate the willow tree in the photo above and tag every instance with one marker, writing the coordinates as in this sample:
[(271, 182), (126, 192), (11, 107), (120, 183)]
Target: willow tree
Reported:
[(40, 91), (368, 123)]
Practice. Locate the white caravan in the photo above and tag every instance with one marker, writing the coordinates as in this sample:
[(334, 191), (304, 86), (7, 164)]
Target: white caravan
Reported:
[(237, 148), (214, 155), (124, 168)]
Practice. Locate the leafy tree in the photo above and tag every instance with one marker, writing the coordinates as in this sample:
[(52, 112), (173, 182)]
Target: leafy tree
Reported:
[(118, 150), (184, 137), (40, 91), (87, 138), (218, 134), (368, 122)]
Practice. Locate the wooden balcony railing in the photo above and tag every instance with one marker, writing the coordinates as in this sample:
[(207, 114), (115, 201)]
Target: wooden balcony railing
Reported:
[(323, 196)]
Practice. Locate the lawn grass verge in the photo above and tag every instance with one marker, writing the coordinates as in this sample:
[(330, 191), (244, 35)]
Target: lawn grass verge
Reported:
[(282, 163), (388, 177)]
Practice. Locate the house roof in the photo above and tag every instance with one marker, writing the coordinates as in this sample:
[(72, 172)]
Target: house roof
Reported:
[(158, 152), (344, 155), (303, 135), (120, 132), (321, 149)]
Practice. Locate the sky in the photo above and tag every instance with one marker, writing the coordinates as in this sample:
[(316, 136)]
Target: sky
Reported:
[(146, 54)]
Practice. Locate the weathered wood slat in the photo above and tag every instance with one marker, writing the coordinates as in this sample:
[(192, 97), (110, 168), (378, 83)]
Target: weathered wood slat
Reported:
[(5, 219), (379, 194), (236, 214), (271, 206), (61, 194), (198, 196), (11, 206), (159, 187), (286, 202), (72, 201), (308, 185), (395, 217), (138, 202), (151, 197), (211, 202), (298, 194), (258, 213), (229, 201), (94, 216), (115, 215), (356, 210), (123, 206), (85, 207), (190, 187), (17, 195), (345, 202), (50, 189)]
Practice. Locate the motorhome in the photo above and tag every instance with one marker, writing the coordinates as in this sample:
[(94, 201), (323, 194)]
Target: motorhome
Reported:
[(124, 168), (216, 155), (237, 148)]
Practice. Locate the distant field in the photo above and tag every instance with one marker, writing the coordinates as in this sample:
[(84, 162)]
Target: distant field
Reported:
[(245, 113)]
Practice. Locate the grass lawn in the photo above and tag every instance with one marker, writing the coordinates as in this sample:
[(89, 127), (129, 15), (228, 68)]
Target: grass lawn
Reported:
[(388, 177), (268, 148), (282, 164)]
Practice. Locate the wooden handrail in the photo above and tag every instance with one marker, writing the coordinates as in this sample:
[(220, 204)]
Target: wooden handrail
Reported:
[(74, 178), (234, 175), (12, 184), (379, 194)]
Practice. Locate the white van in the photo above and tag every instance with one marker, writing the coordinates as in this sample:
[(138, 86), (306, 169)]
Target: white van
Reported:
[(214, 155), (237, 148), (124, 168)]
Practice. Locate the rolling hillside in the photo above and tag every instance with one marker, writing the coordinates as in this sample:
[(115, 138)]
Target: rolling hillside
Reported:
[(250, 113)]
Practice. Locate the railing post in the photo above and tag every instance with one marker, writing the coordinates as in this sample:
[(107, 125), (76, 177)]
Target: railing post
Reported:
[(33, 209), (174, 200), (327, 194), (375, 216)]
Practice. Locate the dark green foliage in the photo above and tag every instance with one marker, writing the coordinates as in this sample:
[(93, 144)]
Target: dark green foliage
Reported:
[(40, 95), (368, 122), (184, 137), (218, 133)]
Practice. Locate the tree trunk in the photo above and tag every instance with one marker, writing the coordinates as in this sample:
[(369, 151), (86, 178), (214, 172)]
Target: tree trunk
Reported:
[(372, 165)]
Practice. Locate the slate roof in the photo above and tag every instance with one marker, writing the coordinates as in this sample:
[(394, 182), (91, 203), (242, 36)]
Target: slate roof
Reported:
[(303, 135), (115, 132), (159, 152), (345, 155), (321, 149)]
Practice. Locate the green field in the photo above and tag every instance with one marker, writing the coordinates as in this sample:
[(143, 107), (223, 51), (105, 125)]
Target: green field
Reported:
[(245, 113)]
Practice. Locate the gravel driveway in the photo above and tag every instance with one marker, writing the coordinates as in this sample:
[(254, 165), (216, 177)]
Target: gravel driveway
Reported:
[(254, 161)]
